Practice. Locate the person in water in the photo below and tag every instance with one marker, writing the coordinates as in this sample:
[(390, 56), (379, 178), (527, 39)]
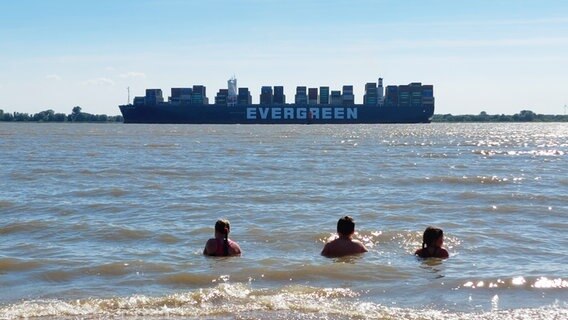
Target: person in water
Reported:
[(221, 245), (344, 244), (432, 242)]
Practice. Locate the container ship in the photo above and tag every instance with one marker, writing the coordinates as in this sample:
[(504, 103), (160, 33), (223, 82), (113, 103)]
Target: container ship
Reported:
[(412, 103)]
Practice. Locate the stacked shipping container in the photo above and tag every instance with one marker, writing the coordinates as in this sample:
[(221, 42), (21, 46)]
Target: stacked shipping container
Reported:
[(244, 97), (266, 96), (313, 96), (301, 96), (336, 98), (198, 95), (370, 97), (348, 97), (222, 97), (279, 97), (412, 95), (153, 96), (324, 95)]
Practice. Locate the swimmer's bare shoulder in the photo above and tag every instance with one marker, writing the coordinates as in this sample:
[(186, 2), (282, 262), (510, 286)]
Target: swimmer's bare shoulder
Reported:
[(235, 248), (210, 247), (359, 246), (343, 247), (327, 248)]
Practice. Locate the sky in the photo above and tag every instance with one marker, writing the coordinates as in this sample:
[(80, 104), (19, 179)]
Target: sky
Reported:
[(497, 56)]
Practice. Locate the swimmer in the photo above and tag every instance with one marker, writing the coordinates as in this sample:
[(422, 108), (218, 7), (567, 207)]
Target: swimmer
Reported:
[(221, 245), (344, 244), (432, 242)]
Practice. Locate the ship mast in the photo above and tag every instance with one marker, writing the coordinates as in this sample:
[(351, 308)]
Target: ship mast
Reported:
[(128, 89)]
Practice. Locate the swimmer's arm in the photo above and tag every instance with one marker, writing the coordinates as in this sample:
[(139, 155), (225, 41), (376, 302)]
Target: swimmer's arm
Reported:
[(444, 253), (362, 247)]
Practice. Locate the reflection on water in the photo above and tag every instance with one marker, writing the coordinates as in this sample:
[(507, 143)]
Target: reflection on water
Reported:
[(433, 265), (348, 259)]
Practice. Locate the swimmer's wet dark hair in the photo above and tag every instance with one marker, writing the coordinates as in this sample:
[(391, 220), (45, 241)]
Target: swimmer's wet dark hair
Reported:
[(346, 225), (224, 227), (430, 236)]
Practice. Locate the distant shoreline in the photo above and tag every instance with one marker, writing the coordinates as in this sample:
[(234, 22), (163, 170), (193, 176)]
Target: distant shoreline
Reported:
[(77, 115), (523, 116)]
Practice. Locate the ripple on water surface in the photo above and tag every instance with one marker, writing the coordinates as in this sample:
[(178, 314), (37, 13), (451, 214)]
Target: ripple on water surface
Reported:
[(119, 212)]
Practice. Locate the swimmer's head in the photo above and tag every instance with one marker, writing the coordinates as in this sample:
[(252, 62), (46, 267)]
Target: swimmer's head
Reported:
[(223, 226), (346, 226), (431, 237)]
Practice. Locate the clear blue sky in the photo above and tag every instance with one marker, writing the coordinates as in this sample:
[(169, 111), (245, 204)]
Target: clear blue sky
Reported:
[(498, 56)]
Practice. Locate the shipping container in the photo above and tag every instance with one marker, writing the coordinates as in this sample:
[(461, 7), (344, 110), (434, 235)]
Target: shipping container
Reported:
[(266, 96), (301, 97), (324, 95), (279, 96)]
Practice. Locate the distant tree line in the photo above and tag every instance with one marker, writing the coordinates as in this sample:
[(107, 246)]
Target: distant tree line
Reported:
[(76, 115), (523, 116)]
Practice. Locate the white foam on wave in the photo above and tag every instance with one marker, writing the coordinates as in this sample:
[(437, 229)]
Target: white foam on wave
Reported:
[(240, 301)]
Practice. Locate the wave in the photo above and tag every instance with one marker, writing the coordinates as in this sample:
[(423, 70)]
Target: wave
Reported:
[(22, 176), (534, 153), (168, 239), (104, 172), (25, 227), (456, 180), (57, 276), (110, 269), (289, 272), (243, 302), (468, 180), (161, 145), (65, 272), (124, 234), (434, 155), (5, 204), (100, 192), (104, 207), (164, 172), (122, 268), (517, 282), (153, 186), (11, 264)]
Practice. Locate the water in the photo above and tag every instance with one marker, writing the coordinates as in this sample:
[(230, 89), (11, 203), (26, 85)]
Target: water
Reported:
[(110, 220)]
